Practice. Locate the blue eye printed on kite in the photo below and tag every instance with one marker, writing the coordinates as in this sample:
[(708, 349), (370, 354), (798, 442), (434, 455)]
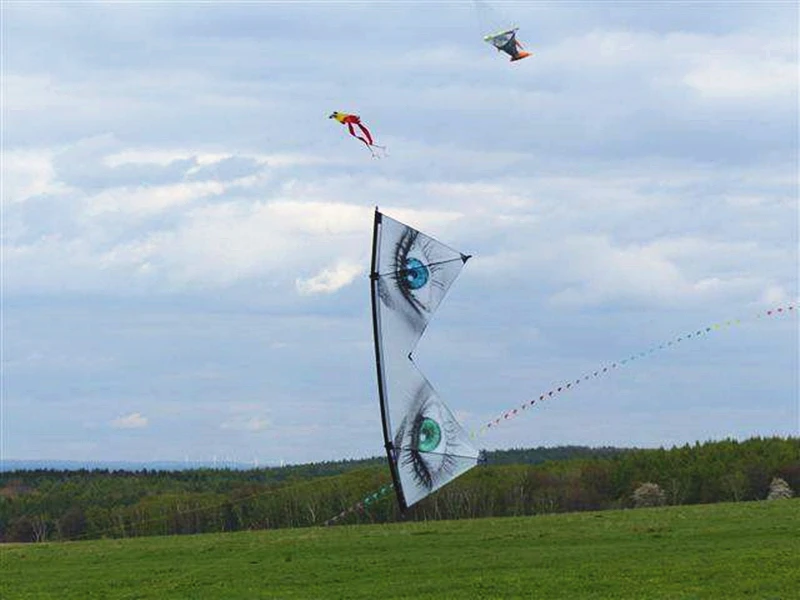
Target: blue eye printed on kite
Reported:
[(416, 273), (413, 271), (425, 438)]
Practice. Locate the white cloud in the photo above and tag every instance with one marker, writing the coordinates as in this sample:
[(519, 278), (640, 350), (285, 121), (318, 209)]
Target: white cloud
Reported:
[(612, 272), (203, 158), (28, 173), (743, 78), (217, 235), (330, 279), (208, 245), (221, 244), (662, 272), (131, 421), (162, 157), (733, 66), (147, 200)]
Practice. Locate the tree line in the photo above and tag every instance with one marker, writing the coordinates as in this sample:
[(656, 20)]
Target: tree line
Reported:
[(50, 505)]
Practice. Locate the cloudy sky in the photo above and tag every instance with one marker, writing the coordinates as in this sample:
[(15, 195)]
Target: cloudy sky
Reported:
[(186, 236)]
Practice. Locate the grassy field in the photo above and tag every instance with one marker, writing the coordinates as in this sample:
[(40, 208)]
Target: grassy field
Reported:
[(744, 550)]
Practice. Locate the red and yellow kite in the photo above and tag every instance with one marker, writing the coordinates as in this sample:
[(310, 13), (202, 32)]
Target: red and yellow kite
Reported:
[(350, 120)]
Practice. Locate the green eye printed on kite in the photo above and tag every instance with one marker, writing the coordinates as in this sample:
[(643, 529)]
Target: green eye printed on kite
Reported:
[(430, 435)]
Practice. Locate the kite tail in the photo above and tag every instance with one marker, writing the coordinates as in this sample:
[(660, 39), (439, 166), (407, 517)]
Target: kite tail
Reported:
[(366, 132), (367, 139), (381, 151), (355, 135)]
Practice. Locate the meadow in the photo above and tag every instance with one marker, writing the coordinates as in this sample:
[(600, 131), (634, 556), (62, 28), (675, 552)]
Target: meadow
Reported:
[(726, 550)]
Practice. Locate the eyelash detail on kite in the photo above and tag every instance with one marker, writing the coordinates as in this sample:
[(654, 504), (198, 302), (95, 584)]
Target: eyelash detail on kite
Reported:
[(429, 451)]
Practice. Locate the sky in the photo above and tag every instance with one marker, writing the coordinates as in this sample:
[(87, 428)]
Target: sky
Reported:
[(186, 235)]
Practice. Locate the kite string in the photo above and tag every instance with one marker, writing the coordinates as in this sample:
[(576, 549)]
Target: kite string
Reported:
[(362, 504), (515, 412)]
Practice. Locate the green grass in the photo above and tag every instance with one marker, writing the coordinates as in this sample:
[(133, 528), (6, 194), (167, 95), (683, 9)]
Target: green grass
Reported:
[(744, 550)]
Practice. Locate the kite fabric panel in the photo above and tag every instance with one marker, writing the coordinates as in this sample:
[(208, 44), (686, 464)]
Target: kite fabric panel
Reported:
[(501, 39), (411, 273)]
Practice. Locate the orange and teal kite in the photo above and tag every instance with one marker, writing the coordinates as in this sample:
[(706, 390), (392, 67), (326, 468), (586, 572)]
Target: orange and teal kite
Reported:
[(506, 41), (350, 120)]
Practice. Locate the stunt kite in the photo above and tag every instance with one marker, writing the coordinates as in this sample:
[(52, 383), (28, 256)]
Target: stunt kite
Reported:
[(425, 444), (350, 120)]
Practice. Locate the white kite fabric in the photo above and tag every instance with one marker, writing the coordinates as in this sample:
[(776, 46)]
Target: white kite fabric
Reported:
[(425, 444), (501, 39)]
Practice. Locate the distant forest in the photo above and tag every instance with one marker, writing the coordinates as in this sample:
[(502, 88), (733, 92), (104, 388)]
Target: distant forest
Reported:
[(54, 505)]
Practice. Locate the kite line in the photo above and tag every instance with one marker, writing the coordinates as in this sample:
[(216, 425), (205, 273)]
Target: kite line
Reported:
[(515, 412), (362, 504)]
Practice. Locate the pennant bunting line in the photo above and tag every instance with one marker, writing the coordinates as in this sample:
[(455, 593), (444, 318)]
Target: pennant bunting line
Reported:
[(514, 412), (361, 505)]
